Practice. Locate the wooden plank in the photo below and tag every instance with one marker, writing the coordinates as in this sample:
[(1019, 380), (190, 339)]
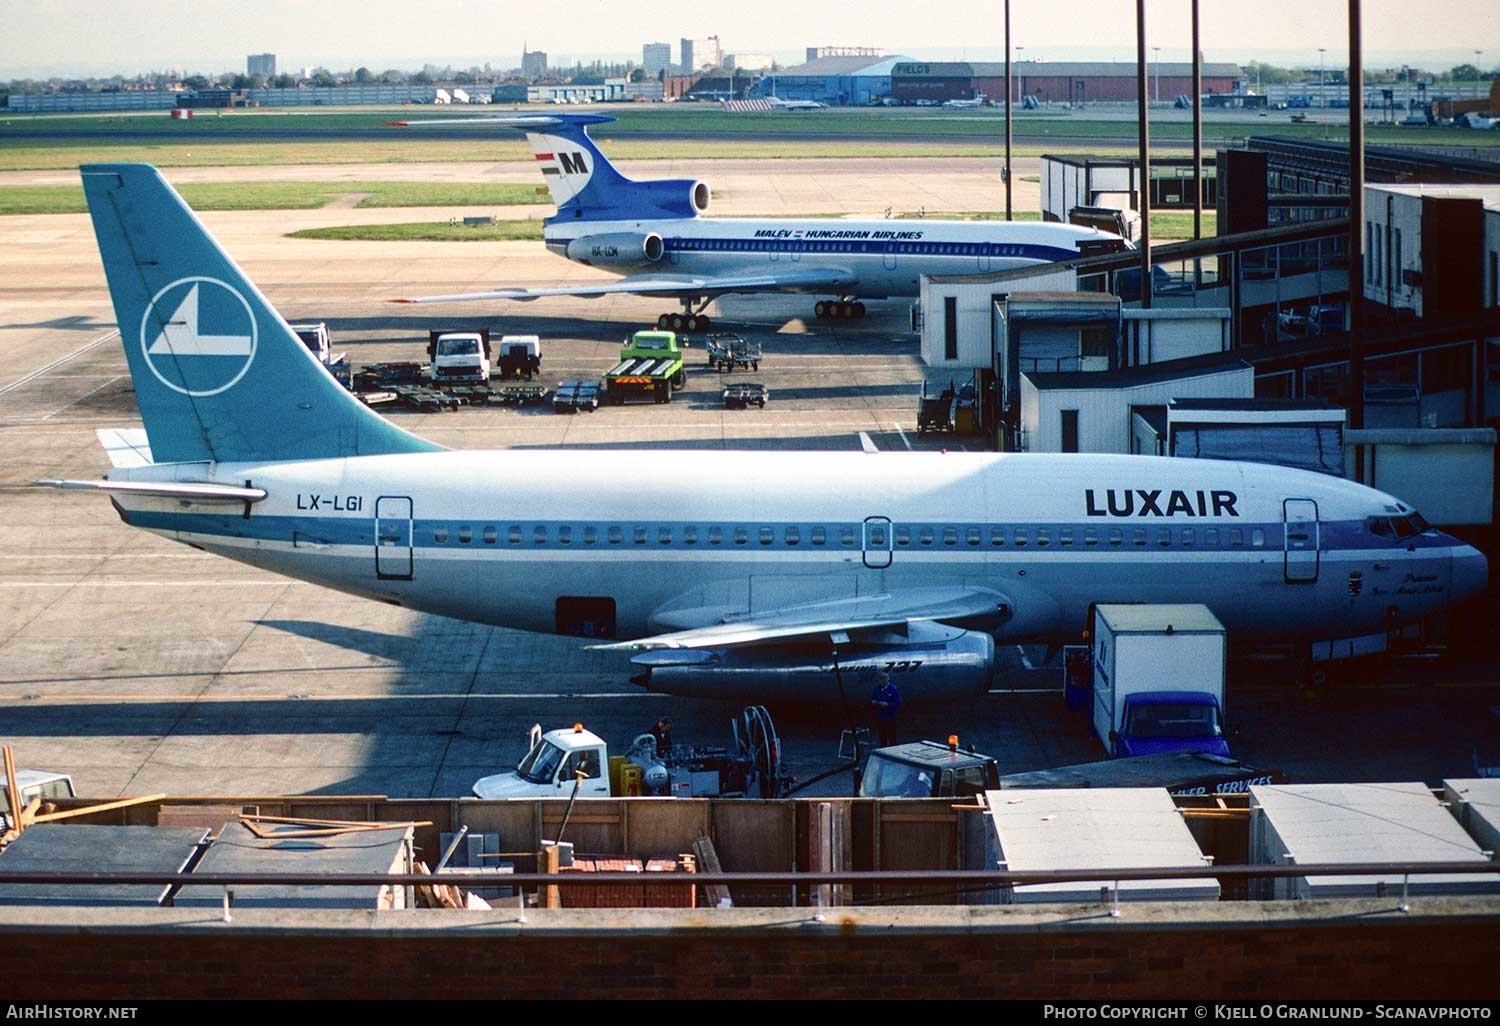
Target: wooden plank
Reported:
[(12, 796), (708, 860), (551, 860), (368, 824), (909, 817), (123, 803)]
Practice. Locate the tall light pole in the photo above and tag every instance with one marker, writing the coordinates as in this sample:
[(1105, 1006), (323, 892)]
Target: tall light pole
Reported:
[(1322, 97), (1156, 57), (1021, 81), (1143, 119), (1008, 95)]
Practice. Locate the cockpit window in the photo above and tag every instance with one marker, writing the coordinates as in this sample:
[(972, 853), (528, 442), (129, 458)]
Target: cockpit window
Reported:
[(1399, 528)]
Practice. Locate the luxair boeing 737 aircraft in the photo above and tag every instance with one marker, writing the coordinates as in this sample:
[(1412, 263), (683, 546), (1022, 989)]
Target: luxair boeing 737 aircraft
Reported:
[(655, 234), (766, 574)]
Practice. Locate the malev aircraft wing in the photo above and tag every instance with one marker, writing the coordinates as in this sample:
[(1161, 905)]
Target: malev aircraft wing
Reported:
[(817, 280), (968, 606)]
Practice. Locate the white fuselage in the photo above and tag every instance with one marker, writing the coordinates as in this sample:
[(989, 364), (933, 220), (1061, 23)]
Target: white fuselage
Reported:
[(675, 540), (885, 258)]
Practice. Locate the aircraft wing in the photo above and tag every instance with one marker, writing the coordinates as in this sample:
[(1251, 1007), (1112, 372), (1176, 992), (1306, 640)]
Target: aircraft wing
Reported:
[(822, 279), (971, 606)]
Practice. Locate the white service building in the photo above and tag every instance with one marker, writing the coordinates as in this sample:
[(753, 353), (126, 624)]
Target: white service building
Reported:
[(1429, 248)]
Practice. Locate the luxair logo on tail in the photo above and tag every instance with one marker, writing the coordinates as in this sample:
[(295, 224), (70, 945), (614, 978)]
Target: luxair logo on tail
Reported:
[(199, 336)]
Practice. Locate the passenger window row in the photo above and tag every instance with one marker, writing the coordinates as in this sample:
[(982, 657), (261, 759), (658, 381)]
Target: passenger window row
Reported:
[(902, 535)]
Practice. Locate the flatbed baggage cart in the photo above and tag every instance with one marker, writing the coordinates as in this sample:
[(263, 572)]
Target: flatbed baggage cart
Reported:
[(524, 395), (727, 351), (572, 396), (743, 394)]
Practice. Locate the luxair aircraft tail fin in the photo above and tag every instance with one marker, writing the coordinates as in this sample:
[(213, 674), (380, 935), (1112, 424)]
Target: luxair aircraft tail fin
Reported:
[(218, 375), (584, 184)]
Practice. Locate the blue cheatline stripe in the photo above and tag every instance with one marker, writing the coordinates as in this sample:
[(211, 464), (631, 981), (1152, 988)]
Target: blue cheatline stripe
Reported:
[(871, 247), (903, 536)]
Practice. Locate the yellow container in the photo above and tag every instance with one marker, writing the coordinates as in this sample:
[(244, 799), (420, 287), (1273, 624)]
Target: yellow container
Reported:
[(631, 776)]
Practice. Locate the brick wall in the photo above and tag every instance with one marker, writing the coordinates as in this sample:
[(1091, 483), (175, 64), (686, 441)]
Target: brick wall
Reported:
[(1443, 949)]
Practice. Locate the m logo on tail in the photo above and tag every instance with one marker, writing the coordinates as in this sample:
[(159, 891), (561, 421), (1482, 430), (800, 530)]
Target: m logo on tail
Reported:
[(199, 336)]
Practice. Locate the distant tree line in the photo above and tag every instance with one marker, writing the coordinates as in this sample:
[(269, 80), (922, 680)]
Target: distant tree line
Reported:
[(1272, 74)]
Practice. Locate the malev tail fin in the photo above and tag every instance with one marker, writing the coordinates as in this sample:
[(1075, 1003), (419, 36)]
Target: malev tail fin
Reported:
[(584, 184), (218, 375), (587, 187)]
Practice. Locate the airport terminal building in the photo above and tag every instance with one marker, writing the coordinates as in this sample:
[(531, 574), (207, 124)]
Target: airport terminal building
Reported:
[(838, 81)]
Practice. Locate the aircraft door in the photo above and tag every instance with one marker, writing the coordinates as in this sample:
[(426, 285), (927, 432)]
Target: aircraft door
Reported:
[(393, 531), (877, 542), (888, 256), (1300, 532)]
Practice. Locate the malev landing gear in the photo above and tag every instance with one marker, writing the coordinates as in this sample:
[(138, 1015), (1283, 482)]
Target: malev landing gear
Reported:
[(689, 322), (839, 310)]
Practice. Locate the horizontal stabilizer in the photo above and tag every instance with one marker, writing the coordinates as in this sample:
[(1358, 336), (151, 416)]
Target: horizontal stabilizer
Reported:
[(196, 491), (521, 121), (125, 447), (865, 613)]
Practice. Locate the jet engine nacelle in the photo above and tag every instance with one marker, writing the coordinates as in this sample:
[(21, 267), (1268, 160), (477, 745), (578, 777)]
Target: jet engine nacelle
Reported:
[(617, 249), (671, 197), (924, 671)]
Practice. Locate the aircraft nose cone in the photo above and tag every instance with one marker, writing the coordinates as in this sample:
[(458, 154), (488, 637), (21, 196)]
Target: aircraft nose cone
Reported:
[(1470, 572)]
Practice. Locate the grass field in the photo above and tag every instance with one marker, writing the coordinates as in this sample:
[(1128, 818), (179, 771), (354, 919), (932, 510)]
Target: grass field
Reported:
[(68, 199), (432, 231), (250, 153), (675, 131)]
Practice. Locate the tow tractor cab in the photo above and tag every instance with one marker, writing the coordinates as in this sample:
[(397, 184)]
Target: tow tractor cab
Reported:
[(520, 356), (551, 764), (555, 760), (33, 784), (927, 769)]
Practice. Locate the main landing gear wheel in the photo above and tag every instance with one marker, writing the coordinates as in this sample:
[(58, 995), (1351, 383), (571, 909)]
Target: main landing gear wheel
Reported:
[(684, 322), (840, 310)]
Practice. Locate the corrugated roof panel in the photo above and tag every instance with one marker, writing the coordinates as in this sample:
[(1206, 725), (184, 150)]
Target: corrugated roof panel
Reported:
[(1332, 823), (86, 848), (1097, 828), (239, 850), (1476, 806)]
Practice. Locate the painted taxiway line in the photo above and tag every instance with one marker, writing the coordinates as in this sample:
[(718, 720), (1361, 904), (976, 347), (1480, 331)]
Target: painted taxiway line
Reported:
[(60, 361)]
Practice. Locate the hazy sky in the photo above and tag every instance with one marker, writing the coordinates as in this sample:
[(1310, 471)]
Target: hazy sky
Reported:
[(62, 37)]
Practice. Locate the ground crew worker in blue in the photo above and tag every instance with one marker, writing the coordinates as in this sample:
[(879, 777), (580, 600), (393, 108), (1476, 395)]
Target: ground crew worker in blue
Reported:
[(886, 702)]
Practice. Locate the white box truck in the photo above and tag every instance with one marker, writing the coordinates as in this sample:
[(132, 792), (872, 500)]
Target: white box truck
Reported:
[(1158, 679)]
